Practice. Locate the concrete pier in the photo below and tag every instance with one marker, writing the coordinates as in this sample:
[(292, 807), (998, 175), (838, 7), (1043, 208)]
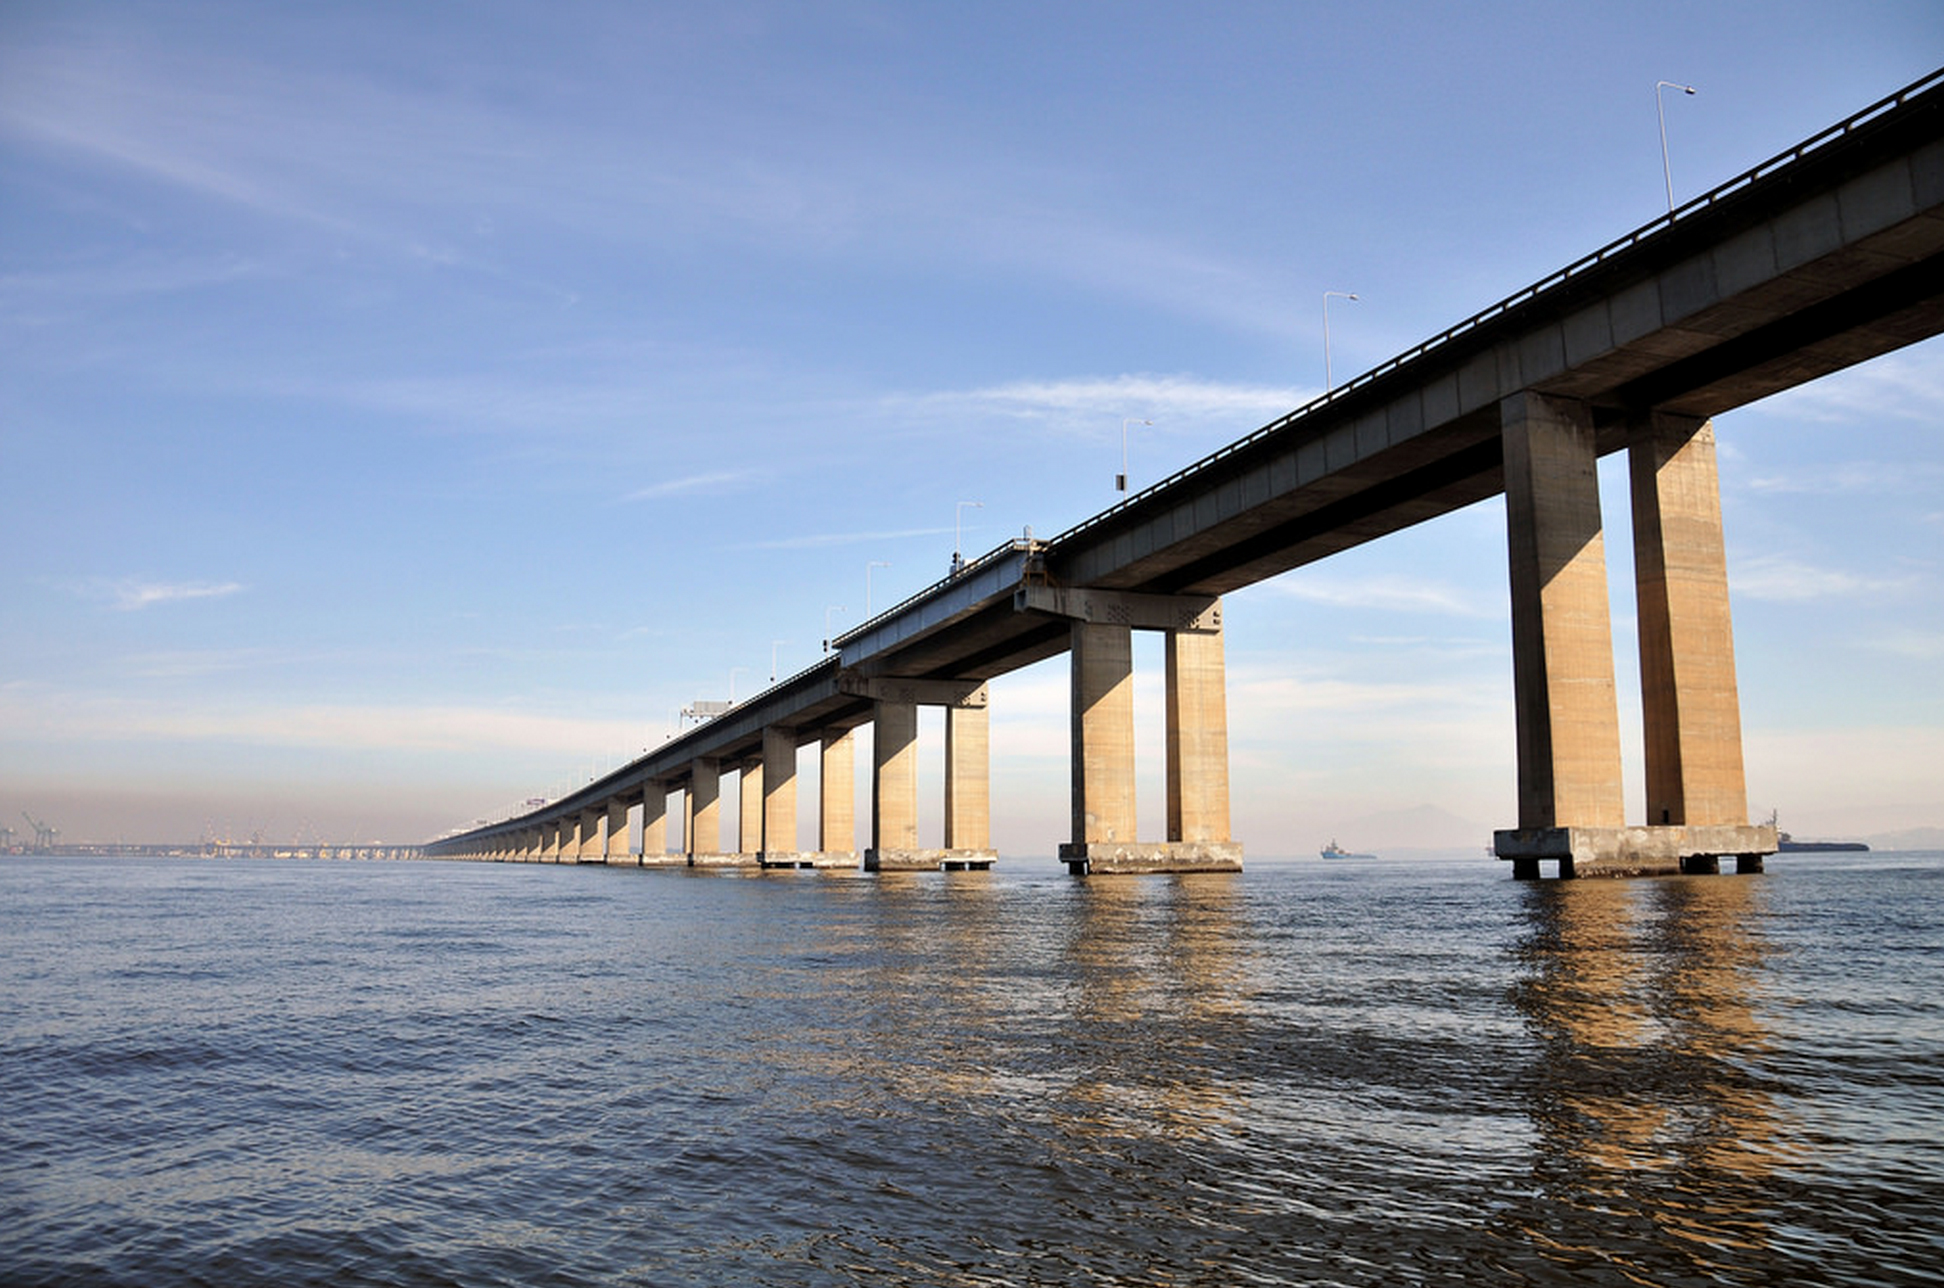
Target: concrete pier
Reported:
[(1101, 654), (837, 800), (894, 789), (1570, 805)]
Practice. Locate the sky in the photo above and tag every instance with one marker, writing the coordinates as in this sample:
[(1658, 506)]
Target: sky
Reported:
[(407, 410)]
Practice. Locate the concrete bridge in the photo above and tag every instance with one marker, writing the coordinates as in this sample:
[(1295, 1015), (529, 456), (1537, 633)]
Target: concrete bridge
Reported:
[(1822, 257)]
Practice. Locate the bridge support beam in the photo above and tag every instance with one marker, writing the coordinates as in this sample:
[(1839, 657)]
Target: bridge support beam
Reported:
[(749, 811), (894, 787), (654, 826), (968, 778), (837, 801), (703, 834), (588, 849), (1570, 800), (779, 844), (1104, 839), (617, 850)]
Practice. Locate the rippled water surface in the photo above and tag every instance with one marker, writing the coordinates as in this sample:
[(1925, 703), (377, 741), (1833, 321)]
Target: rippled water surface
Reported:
[(235, 1072)]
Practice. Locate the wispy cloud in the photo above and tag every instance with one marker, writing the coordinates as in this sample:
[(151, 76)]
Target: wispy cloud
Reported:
[(39, 713), (130, 594), (716, 482), (815, 540), (1903, 386), (1874, 478), (1778, 578), (1390, 594), (1096, 404)]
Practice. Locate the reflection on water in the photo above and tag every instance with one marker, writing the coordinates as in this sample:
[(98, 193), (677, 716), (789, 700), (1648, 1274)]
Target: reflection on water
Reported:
[(1384, 1074), (1655, 1133)]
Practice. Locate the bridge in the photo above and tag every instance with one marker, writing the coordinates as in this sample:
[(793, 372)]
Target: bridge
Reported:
[(1820, 258)]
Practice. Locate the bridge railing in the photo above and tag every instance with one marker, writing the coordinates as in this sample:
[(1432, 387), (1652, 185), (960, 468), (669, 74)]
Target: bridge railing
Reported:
[(1554, 281)]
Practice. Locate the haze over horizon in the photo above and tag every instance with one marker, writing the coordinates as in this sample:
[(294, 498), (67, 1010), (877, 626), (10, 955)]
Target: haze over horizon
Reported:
[(405, 415)]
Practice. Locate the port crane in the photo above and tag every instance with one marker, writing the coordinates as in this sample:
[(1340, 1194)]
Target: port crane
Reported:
[(43, 834)]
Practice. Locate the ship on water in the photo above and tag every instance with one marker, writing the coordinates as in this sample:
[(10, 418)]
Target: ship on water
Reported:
[(1789, 845), (1335, 851)]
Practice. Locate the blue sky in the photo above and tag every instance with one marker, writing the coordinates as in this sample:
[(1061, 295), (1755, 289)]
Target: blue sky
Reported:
[(405, 410)]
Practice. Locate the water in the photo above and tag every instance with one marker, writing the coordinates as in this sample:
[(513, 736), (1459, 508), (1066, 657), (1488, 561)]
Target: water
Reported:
[(235, 1072)]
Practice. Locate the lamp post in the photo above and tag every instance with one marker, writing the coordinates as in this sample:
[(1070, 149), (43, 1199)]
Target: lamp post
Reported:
[(875, 563), (828, 610), (732, 683), (774, 645), (1328, 382), (1660, 110), (958, 530), (1120, 479)]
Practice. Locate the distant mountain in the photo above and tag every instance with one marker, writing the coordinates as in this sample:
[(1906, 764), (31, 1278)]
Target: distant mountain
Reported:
[(1910, 838)]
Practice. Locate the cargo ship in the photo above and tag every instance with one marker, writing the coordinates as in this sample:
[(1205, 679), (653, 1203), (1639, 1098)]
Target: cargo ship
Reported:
[(1789, 845)]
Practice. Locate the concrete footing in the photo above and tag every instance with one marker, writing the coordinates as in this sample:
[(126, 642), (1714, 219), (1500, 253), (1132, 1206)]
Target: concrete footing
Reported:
[(808, 858), (950, 860), (719, 859), (1103, 858), (1633, 851)]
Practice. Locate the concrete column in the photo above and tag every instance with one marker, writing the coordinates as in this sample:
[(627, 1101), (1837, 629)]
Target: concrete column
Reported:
[(749, 814), (1103, 733), (968, 772), (550, 842), (1197, 701), (779, 792), (836, 795), (617, 830), (590, 834), (703, 834), (1687, 648), (894, 777), (1562, 641), (654, 823)]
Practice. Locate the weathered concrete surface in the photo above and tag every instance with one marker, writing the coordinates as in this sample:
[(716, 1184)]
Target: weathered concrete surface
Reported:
[(916, 860), (1137, 857), (836, 794), (654, 821), (1690, 704), (617, 849), (1197, 737), (1630, 851), (1562, 641), (1103, 733), (703, 832), (968, 791), (749, 814), (779, 790), (894, 779)]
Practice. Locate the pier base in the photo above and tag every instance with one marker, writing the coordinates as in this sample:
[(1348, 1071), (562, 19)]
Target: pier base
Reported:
[(1633, 851), (1104, 858), (951, 860), (718, 859)]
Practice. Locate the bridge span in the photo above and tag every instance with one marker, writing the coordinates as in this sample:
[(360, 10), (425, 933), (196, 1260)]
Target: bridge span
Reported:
[(1822, 257)]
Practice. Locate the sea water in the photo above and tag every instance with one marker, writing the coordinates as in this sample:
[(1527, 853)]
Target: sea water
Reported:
[(1385, 1073)]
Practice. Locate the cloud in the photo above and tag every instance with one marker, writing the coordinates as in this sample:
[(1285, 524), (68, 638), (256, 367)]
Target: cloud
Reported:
[(811, 541), (43, 715), (1873, 478), (1097, 404), (130, 594), (1388, 593), (720, 481), (1780, 579), (1900, 386)]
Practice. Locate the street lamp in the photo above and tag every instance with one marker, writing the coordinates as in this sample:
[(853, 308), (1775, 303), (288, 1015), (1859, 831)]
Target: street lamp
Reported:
[(875, 563), (774, 645), (1660, 110), (958, 530), (1328, 382), (1120, 479), (732, 683), (828, 610)]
